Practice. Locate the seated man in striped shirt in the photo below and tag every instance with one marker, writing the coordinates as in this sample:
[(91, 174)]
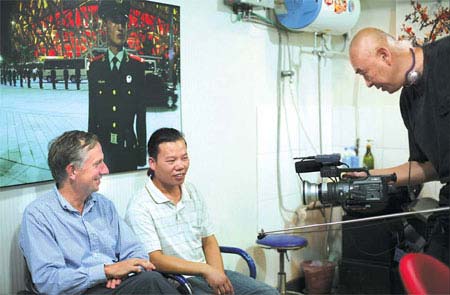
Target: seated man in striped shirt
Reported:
[(172, 221)]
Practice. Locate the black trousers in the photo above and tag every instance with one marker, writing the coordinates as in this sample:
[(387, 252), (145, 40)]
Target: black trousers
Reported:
[(438, 242), (149, 282)]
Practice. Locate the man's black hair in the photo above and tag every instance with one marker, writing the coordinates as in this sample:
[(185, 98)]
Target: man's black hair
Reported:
[(160, 136)]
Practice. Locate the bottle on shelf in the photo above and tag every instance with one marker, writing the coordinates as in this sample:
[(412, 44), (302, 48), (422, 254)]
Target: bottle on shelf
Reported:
[(346, 157), (368, 160), (354, 159)]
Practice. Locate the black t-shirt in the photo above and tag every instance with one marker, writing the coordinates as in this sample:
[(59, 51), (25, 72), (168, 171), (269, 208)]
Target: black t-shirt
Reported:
[(425, 109)]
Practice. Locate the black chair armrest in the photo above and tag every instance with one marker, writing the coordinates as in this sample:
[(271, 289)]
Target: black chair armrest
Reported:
[(179, 282)]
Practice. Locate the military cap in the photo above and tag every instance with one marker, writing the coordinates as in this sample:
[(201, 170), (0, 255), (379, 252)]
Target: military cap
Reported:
[(115, 10)]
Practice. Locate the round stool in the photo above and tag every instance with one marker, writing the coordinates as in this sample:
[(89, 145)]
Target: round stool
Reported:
[(282, 243)]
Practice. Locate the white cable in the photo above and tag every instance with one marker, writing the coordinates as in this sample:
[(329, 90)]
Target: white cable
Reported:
[(280, 95), (345, 36)]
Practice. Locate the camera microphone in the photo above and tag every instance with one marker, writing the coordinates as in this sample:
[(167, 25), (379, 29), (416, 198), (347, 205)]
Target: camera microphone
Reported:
[(315, 163), (331, 159), (306, 166)]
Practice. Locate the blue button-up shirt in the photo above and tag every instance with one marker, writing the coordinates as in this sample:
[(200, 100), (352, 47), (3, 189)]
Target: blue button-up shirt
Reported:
[(65, 250)]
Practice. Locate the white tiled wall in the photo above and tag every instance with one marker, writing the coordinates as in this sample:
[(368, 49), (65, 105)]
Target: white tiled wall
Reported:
[(279, 199)]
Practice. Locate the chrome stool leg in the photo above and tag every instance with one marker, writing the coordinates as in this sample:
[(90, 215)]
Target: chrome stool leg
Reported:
[(282, 274)]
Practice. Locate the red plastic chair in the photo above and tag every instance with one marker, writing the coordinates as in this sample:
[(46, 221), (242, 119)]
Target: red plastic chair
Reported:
[(424, 274)]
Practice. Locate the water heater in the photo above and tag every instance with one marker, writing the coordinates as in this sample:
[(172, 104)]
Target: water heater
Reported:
[(327, 16)]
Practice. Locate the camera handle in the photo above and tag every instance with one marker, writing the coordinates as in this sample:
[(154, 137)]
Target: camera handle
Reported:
[(333, 171)]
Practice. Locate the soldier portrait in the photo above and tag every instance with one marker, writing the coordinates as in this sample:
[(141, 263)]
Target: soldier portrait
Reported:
[(110, 67), (116, 95)]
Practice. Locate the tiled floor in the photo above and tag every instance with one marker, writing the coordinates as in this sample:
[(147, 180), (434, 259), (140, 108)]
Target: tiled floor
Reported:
[(31, 117)]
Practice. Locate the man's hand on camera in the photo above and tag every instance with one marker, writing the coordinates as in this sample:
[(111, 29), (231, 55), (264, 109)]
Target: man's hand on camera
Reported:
[(351, 175)]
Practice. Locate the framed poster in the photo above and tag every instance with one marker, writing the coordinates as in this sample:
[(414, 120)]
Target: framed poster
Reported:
[(57, 75)]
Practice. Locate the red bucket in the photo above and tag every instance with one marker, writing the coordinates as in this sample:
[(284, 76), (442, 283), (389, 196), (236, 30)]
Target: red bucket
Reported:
[(319, 276)]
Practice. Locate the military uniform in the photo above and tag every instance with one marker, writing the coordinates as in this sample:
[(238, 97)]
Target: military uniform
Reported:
[(115, 100)]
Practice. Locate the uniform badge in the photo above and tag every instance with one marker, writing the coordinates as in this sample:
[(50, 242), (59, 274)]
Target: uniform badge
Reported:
[(129, 79), (113, 139)]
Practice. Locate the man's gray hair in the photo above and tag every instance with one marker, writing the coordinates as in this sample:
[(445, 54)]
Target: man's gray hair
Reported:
[(69, 148)]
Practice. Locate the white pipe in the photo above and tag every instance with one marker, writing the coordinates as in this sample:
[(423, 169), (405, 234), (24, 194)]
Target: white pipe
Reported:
[(326, 53), (319, 91)]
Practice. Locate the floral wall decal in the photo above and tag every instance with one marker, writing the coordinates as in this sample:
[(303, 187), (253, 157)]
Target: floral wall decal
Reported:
[(424, 24)]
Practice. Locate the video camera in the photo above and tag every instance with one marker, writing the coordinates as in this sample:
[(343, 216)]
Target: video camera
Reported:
[(357, 196)]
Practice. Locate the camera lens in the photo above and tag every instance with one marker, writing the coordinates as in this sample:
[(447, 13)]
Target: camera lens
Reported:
[(333, 193), (311, 192)]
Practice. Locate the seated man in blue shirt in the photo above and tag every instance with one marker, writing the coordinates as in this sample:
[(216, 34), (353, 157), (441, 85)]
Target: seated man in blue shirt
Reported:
[(73, 239), (172, 221)]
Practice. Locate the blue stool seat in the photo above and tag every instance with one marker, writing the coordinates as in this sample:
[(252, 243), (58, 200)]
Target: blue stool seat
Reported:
[(282, 243), (288, 242)]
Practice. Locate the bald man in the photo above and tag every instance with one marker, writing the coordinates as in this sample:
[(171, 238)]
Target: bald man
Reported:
[(423, 74)]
